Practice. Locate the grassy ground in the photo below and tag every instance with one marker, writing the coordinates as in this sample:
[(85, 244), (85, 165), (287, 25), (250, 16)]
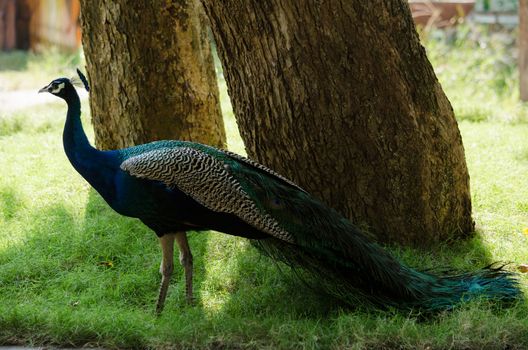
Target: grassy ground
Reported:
[(72, 272)]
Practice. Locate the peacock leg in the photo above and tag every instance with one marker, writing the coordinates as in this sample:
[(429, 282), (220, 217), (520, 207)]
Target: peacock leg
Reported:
[(166, 268), (186, 260)]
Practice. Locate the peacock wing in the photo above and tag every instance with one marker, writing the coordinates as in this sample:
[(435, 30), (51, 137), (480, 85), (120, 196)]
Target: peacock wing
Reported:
[(207, 180), (262, 168)]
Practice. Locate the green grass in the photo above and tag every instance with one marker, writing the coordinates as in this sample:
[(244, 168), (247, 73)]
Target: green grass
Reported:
[(20, 70), (73, 272), (478, 71)]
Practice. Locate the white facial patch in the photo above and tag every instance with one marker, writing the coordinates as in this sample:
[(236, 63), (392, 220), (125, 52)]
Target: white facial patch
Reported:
[(58, 88)]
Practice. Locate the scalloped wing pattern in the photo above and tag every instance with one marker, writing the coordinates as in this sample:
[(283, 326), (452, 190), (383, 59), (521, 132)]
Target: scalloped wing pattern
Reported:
[(261, 167), (207, 180)]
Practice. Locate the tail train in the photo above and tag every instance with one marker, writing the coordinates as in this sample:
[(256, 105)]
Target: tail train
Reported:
[(385, 282), (175, 186), (350, 266)]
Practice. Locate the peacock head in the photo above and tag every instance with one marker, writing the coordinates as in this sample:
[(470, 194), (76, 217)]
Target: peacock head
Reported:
[(58, 87), (62, 86)]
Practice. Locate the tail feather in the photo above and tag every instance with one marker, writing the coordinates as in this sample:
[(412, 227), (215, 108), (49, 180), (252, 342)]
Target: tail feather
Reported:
[(491, 282), (352, 267), (410, 289)]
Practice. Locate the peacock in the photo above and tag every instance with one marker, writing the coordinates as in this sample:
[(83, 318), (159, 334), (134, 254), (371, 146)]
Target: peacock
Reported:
[(177, 186)]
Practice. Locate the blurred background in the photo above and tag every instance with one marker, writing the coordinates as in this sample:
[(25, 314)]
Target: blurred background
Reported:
[(37, 24), (470, 44), (48, 214)]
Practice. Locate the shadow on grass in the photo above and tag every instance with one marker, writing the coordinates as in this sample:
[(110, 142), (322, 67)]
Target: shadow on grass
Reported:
[(76, 280), (269, 298), (132, 245), (10, 202), (267, 287), (291, 298), (254, 273), (41, 241), (93, 279), (461, 255)]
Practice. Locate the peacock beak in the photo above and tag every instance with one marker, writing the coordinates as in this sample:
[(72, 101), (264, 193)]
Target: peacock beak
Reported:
[(44, 89)]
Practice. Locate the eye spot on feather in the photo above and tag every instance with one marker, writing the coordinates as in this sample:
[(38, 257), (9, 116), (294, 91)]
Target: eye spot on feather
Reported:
[(276, 203)]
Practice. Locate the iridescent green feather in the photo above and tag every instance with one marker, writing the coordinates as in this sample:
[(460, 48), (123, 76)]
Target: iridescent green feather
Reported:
[(335, 256)]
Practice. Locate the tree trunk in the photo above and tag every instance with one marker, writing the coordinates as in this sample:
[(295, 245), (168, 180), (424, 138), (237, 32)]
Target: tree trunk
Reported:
[(339, 96), (523, 49), (151, 72)]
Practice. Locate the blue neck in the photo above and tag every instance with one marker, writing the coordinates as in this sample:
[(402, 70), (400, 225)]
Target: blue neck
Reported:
[(74, 138), (97, 167)]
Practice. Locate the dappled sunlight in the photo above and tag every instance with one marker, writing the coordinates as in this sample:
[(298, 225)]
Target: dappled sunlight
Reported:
[(72, 271), (240, 280), (10, 205), (35, 177), (477, 68), (234, 141), (499, 192), (220, 269), (62, 235)]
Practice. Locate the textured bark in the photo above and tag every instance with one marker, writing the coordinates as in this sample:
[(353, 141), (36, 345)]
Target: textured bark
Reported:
[(151, 72), (523, 49), (339, 96)]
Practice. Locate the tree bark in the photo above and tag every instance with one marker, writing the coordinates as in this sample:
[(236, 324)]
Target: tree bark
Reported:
[(151, 72), (523, 49), (340, 96)]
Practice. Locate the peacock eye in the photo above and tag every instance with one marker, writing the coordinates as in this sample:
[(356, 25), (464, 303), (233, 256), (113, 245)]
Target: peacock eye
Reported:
[(276, 203)]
